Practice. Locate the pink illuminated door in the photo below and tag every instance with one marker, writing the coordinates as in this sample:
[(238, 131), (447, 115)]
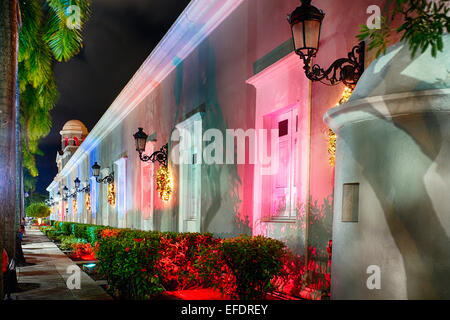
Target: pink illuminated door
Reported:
[(284, 182)]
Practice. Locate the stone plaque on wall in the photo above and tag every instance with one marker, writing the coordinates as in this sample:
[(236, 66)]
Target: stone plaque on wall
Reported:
[(350, 202)]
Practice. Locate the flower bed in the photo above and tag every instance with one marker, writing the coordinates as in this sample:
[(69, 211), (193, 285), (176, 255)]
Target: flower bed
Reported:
[(141, 264)]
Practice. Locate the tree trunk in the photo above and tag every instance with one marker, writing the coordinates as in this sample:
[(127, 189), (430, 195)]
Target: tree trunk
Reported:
[(20, 258), (8, 69)]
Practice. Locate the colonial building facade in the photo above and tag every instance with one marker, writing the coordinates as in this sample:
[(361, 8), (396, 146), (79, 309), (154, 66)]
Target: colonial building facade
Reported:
[(224, 68)]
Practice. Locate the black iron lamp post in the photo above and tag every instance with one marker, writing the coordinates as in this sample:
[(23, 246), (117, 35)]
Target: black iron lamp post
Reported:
[(96, 173), (140, 138), (306, 23)]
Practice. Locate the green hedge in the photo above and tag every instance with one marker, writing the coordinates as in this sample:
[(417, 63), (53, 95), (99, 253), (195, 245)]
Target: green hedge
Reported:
[(140, 264), (254, 261)]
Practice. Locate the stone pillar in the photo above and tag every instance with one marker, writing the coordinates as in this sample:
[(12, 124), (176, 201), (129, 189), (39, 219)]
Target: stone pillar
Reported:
[(392, 184)]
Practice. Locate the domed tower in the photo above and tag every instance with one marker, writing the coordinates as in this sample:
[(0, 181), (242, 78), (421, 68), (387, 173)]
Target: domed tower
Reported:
[(72, 135)]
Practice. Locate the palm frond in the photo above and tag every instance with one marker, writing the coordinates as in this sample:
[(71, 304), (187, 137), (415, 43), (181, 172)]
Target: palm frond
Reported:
[(45, 35), (64, 41)]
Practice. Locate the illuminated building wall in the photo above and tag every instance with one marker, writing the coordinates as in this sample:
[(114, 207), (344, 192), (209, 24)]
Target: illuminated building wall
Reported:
[(231, 64)]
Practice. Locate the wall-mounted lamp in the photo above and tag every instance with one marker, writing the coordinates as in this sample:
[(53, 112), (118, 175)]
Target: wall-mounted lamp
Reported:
[(140, 138), (306, 24), (77, 183), (96, 173), (50, 202), (65, 193)]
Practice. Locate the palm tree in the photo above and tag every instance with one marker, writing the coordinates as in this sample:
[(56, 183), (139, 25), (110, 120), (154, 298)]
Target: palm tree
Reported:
[(8, 67), (48, 33)]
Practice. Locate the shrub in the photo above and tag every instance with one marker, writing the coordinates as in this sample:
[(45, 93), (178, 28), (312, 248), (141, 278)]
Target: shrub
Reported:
[(254, 261), (129, 265), (83, 251), (140, 264), (67, 242), (44, 229), (37, 210), (79, 230), (58, 225), (92, 233), (66, 228), (214, 272), (179, 253)]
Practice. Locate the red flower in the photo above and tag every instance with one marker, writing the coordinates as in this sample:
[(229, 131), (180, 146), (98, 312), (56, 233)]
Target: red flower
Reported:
[(127, 249), (138, 240)]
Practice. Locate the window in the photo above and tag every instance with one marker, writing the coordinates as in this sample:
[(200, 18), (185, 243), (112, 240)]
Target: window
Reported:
[(281, 201), (190, 174)]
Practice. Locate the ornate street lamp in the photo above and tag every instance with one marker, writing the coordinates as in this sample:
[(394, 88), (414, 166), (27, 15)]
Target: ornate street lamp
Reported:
[(306, 23), (49, 202), (65, 193), (96, 173), (140, 138), (77, 183)]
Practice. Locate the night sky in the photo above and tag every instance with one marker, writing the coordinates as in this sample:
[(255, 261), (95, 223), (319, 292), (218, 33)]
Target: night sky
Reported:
[(117, 39)]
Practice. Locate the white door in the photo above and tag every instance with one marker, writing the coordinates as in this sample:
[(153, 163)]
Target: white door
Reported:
[(190, 174), (284, 182)]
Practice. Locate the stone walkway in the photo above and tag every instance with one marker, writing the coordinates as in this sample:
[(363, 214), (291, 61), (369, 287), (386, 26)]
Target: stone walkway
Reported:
[(45, 276)]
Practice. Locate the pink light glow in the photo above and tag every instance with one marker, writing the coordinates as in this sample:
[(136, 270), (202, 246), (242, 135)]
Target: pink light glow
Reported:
[(280, 88)]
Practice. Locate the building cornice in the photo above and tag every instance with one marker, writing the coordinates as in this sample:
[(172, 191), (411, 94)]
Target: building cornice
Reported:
[(388, 107), (288, 62), (196, 22)]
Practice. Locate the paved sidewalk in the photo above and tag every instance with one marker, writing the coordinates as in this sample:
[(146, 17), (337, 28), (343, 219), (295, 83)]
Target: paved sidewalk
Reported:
[(46, 275)]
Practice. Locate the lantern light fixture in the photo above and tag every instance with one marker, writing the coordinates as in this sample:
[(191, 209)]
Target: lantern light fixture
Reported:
[(50, 202), (77, 183), (65, 193), (140, 138), (306, 24), (96, 173)]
